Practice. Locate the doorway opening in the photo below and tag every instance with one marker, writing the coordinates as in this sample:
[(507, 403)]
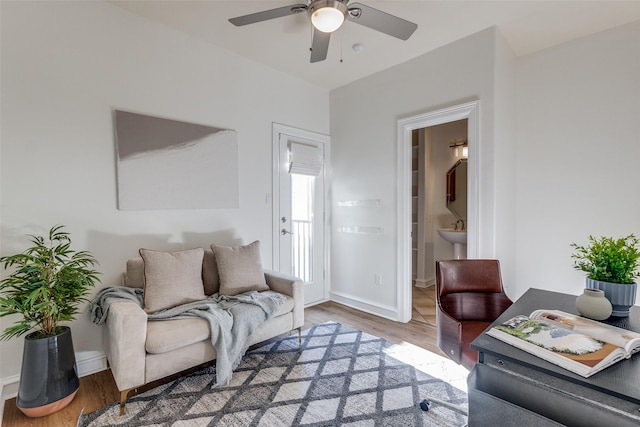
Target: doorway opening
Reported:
[(406, 128), (439, 202)]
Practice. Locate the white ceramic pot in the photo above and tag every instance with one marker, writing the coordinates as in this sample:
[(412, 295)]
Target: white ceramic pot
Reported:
[(593, 304)]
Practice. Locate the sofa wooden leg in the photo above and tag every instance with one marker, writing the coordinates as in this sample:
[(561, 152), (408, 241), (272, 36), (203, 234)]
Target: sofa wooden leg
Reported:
[(123, 400), (300, 336)]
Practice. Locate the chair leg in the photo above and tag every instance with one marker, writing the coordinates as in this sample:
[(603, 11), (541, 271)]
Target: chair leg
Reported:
[(123, 400), (425, 405), (300, 336)]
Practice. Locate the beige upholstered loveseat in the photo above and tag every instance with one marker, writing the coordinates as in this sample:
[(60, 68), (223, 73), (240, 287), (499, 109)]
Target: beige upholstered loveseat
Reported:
[(140, 351)]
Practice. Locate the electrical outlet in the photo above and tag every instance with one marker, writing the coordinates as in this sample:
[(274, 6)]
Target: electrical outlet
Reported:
[(377, 279)]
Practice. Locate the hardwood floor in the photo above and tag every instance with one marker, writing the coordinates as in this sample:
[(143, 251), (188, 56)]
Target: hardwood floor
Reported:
[(99, 389), (424, 305)]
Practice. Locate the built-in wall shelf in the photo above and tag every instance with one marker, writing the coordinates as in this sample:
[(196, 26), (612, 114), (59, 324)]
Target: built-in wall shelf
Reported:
[(356, 229), (417, 201), (363, 203)]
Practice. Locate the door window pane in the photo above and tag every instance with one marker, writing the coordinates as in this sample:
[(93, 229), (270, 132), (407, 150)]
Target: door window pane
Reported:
[(302, 191)]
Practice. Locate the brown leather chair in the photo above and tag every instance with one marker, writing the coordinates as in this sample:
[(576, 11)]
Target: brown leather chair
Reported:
[(470, 297)]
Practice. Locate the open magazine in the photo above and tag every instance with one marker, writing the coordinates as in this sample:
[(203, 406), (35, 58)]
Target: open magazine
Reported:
[(575, 343)]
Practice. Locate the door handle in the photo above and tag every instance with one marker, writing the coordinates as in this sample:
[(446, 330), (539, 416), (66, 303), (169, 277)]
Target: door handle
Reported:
[(285, 232)]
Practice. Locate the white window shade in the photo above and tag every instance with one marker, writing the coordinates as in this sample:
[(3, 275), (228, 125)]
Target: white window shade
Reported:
[(305, 159)]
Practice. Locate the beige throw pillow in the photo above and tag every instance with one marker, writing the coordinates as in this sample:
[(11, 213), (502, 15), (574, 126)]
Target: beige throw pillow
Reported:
[(172, 278), (239, 268)]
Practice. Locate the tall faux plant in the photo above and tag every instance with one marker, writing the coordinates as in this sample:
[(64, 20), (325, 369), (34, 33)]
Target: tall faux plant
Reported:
[(49, 281)]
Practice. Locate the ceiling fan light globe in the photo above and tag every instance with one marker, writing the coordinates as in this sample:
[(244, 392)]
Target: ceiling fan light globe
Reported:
[(327, 19), (327, 15)]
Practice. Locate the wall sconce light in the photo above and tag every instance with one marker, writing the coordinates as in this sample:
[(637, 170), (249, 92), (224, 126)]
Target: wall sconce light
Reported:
[(461, 148)]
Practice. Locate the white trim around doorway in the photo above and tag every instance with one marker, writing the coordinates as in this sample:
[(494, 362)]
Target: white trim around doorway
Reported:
[(405, 126)]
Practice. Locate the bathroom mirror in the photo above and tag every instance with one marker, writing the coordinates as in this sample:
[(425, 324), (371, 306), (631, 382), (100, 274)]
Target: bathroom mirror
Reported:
[(457, 189)]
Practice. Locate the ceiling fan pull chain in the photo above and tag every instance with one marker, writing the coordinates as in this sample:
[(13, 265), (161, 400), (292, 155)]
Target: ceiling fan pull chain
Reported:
[(341, 43)]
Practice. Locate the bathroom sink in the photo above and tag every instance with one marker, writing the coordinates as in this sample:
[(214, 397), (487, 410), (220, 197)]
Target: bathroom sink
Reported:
[(458, 238), (454, 236)]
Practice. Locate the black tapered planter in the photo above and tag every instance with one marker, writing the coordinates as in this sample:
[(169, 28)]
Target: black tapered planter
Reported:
[(49, 377)]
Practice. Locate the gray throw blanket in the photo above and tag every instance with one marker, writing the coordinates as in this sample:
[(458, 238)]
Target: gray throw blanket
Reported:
[(232, 319)]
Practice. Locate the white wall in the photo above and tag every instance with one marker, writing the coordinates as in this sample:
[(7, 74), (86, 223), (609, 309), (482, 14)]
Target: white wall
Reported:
[(504, 161), (65, 66), (578, 119), (363, 131)]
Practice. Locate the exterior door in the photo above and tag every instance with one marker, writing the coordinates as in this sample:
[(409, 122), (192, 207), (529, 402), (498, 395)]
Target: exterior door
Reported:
[(299, 219)]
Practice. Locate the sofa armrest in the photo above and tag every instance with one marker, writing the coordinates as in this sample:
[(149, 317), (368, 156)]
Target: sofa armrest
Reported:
[(125, 339), (291, 286)]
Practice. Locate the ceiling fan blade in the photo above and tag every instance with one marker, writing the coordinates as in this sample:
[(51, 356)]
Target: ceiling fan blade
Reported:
[(319, 46), (268, 14), (380, 21)]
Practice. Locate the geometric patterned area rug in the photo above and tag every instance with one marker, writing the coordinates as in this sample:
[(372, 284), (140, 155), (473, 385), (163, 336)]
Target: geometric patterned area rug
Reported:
[(339, 376)]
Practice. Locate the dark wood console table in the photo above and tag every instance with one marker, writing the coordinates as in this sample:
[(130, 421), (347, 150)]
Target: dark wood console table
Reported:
[(509, 386)]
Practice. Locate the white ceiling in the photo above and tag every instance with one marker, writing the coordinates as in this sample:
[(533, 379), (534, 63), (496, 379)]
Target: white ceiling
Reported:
[(283, 43)]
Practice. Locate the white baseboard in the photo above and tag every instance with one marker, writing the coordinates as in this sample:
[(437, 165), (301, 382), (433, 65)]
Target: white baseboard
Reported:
[(424, 283), (8, 390), (386, 311), (87, 362), (90, 362)]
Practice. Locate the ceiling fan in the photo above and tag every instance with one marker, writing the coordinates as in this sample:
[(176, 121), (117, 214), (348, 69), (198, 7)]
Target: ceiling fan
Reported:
[(328, 15)]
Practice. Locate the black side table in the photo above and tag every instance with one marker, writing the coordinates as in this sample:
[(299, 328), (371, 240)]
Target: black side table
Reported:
[(509, 386)]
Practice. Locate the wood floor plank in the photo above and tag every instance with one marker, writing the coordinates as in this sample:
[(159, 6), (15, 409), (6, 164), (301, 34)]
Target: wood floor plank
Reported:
[(98, 390)]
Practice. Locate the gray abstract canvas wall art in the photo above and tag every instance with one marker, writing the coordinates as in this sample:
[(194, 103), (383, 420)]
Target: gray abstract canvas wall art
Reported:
[(169, 164)]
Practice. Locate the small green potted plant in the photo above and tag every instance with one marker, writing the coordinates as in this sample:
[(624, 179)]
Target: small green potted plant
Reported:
[(47, 283), (611, 266)]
